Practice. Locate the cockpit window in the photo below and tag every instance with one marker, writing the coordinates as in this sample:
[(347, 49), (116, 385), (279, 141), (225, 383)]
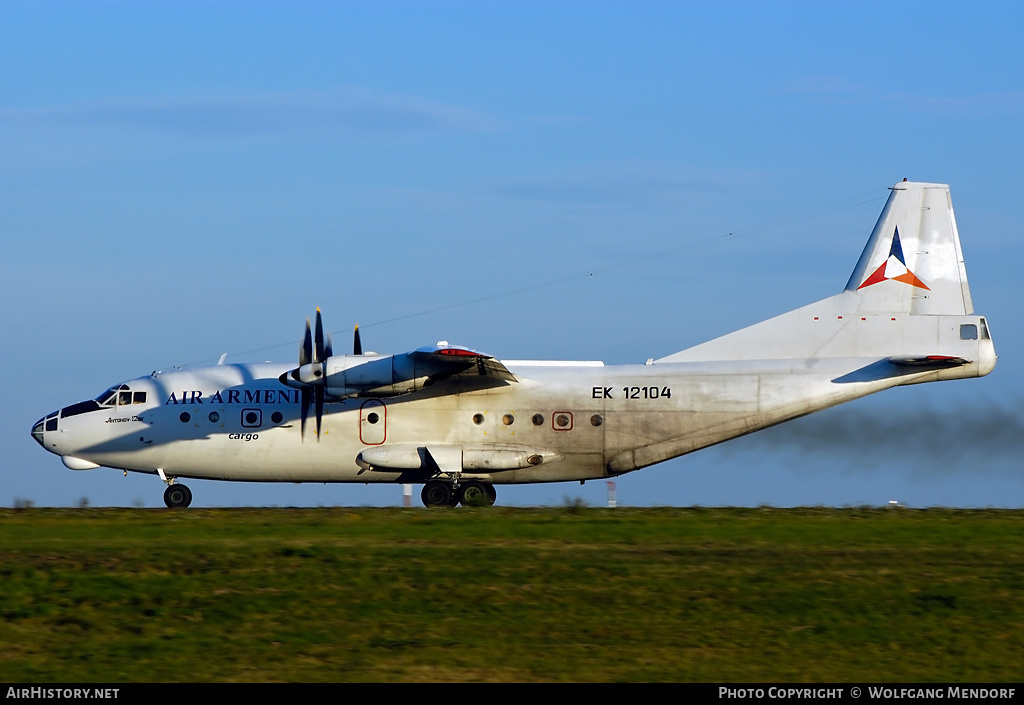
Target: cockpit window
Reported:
[(81, 407), (121, 395), (108, 398)]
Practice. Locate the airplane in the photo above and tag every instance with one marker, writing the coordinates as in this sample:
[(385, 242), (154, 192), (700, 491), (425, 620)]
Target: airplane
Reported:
[(459, 421)]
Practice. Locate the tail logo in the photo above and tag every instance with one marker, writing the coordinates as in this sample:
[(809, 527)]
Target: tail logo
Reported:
[(894, 267)]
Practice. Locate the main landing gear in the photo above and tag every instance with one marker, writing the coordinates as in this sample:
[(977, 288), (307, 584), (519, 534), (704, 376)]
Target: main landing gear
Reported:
[(177, 496), (438, 493)]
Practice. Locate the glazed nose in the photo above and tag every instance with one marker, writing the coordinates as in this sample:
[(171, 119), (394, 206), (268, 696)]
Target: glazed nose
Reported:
[(47, 423)]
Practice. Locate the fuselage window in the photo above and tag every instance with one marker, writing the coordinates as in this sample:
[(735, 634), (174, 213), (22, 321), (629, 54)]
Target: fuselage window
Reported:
[(562, 420), (968, 331)]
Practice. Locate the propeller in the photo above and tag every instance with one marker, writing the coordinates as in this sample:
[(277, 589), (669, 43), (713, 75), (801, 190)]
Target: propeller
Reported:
[(319, 356), (313, 352), (312, 372)]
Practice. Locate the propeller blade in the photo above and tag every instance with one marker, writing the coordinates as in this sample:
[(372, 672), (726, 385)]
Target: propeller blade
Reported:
[(319, 394), (304, 404), (357, 345), (329, 350), (306, 351), (319, 350)]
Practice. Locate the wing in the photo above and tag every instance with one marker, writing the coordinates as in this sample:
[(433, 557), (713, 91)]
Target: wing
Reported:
[(371, 375), (451, 360)]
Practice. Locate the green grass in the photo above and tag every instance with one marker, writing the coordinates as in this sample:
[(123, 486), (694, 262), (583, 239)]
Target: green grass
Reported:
[(569, 594)]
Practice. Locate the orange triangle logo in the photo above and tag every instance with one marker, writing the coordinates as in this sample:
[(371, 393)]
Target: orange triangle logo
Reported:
[(894, 268)]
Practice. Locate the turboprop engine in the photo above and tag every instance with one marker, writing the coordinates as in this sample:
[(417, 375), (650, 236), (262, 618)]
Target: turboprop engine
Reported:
[(379, 376), (322, 375)]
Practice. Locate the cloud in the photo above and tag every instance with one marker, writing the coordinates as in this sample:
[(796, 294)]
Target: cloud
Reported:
[(340, 113), (838, 91)]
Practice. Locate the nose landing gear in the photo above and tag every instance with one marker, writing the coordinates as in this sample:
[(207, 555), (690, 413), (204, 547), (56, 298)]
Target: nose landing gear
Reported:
[(177, 496)]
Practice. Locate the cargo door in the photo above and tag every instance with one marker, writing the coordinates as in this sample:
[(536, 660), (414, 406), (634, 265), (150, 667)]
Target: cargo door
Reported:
[(373, 422)]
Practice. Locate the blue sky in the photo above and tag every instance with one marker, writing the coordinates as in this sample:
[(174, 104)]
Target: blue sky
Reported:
[(536, 180)]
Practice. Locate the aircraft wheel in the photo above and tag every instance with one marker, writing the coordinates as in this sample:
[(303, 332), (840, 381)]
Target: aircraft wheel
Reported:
[(177, 496), (437, 494), (477, 494)]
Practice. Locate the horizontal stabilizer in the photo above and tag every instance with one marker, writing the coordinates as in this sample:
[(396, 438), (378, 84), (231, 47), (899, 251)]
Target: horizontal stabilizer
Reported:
[(929, 361)]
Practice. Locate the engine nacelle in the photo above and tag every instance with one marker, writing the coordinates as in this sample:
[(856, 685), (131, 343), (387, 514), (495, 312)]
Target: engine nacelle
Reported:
[(371, 375), (378, 376)]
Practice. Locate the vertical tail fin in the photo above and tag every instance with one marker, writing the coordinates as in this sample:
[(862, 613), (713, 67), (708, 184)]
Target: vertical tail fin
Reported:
[(908, 296), (913, 262)]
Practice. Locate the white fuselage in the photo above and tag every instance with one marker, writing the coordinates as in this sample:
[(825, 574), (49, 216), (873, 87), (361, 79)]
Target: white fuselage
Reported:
[(584, 420)]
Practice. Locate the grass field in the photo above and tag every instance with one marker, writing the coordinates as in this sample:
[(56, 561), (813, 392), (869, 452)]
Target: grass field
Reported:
[(556, 594)]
